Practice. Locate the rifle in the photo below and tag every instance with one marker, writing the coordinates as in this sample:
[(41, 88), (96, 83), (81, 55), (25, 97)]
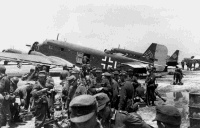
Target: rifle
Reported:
[(55, 121), (163, 99)]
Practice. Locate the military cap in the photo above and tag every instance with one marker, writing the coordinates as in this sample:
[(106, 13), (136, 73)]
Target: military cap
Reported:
[(98, 70), (74, 71), (130, 70), (102, 99), (168, 115), (2, 68), (14, 80), (116, 73), (65, 67), (123, 73), (82, 108), (64, 73), (32, 70), (42, 73), (106, 74), (72, 77)]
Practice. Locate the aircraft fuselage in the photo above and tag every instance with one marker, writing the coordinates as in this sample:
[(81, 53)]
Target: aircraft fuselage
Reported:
[(74, 54)]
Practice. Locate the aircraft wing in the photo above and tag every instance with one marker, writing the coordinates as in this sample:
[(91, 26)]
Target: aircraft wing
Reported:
[(196, 58), (59, 61), (32, 59), (144, 65), (135, 64)]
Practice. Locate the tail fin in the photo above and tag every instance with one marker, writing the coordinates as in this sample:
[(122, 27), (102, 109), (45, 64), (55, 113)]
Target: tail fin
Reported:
[(150, 52), (157, 54), (174, 56)]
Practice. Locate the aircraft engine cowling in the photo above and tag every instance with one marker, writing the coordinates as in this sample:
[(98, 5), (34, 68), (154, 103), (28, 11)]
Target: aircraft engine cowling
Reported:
[(35, 53)]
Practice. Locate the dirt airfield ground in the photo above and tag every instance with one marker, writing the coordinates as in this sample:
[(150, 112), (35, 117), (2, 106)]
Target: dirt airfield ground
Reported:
[(176, 95)]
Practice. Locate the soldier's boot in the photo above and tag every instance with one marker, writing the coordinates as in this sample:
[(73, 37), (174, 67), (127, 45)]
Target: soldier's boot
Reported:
[(8, 124), (8, 121)]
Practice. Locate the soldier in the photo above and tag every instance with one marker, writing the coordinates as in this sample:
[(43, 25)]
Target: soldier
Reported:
[(134, 79), (127, 92), (39, 94), (85, 60), (112, 118), (72, 86), (5, 114), (84, 112), (182, 64), (96, 83), (24, 93), (149, 67), (150, 83), (81, 86), (115, 90), (106, 84), (178, 75), (13, 84), (65, 73), (13, 108), (27, 75), (167, 117), (116, 76)]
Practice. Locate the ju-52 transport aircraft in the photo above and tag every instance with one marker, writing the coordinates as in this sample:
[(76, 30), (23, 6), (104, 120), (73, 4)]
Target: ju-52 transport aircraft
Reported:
[(54, 52), (173, 60), (170, 61)]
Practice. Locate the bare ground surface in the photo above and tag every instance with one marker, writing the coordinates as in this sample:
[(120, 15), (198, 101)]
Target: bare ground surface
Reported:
[(176, 95)]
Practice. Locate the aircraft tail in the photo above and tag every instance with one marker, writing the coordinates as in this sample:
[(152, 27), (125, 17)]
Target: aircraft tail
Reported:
[(174, 56), (150, 52), (157, 54), (173, 60)]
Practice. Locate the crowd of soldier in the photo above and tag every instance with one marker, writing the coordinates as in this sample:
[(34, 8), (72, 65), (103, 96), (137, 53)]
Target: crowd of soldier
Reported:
[(86, 94)]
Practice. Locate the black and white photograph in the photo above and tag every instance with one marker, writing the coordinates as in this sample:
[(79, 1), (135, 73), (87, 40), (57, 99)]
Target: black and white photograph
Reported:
[(99, 64)]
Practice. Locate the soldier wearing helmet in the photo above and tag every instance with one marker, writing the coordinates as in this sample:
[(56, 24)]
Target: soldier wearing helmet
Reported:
[(84, 112), (14, 108), (111, 118), (5, 114), (39, 93), (127, 93), (14, 82)]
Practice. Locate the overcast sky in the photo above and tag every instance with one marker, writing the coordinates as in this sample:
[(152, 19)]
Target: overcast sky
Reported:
[(101, 24)]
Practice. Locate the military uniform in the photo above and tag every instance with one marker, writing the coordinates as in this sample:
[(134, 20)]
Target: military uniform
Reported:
[(5, 114), (112, 118), (64, 74), (100, 84), (169, 116), (81, 89), (127, 92), (40, 106), (123, 119), (115, 94), (178, 75), (83, 109), (150, 81), (24, 92), (182, 64)]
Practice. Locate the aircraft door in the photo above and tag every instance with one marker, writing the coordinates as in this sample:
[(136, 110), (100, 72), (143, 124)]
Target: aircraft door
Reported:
[(79, 58)]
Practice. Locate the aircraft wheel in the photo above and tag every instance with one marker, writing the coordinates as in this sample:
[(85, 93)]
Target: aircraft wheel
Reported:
[(5, 62)]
